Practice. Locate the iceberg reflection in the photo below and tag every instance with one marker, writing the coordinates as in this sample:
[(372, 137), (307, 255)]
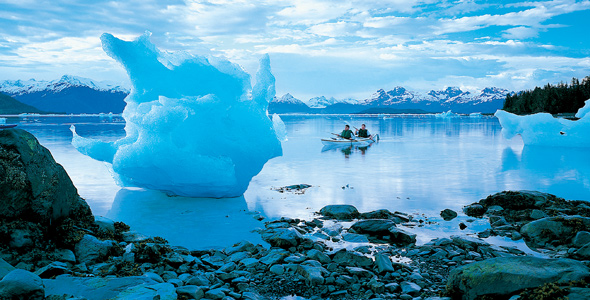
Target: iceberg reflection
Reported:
[(189, 222)]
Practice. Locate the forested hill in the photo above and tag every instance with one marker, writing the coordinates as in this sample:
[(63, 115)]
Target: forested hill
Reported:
[(554, 99), (10, 106)]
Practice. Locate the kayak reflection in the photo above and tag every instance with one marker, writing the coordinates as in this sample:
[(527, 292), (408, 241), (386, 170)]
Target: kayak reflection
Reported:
[(347, 150)]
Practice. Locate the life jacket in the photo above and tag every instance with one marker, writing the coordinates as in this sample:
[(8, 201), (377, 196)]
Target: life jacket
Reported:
[(346, 134), (363, 133)]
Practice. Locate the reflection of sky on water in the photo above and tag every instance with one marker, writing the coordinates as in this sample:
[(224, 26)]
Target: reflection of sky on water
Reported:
[(421, 165)]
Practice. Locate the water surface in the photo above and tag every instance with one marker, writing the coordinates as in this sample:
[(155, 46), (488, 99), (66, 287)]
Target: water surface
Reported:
[(421, 165)]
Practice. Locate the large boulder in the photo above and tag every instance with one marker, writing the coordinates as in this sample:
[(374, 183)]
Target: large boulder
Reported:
[(503, 276), (33, 186), (559, 230), (21, 284), (340, 212)]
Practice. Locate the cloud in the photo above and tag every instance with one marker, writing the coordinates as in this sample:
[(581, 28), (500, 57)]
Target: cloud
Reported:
[(520, 33)]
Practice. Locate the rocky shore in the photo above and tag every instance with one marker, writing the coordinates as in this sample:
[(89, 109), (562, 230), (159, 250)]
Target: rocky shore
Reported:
[(53, 248)]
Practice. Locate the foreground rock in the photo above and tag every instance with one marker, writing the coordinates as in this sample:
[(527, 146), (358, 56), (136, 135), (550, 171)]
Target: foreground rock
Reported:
[(504, 276), (33, 186)]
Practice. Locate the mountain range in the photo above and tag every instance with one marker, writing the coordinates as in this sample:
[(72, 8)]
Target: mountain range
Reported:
[(399, 100), (69, 94), (75, 95)]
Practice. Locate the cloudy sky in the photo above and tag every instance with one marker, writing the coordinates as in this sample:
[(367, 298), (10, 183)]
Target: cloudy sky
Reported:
[(340, 48)]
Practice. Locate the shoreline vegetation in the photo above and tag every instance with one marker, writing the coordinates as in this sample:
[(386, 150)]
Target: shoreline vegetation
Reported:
[(557, 99), (53, 248)]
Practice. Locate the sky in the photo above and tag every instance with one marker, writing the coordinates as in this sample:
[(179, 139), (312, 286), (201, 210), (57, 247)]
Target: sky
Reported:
[(340, 48)]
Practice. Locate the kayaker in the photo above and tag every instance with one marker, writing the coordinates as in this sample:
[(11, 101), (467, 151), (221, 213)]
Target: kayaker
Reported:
[(363, 132), (346, 133)]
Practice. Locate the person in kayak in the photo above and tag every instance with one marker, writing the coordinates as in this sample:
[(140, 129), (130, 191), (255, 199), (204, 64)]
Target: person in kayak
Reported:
[(346, 133), (363, 132)]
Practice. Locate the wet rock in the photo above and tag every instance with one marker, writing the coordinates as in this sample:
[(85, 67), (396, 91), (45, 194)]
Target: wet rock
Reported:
[(401, 237), (578, 293), (312, 274), (355, 238), (162, 291), (554, 230), (348, 258), (318, 256), (90, 249), (474, 210), (537, 214), (583, 253), (283, 237), (375, 227), (462, 226), (582, 238), (383, 263), (21, 284), (410, 288), (242, 246), (277, 269), (379, 214), (34, 187), (65, 255), (505, 275), (274, 256), (53, 269), (360, 272), (5, 268), (190, 291), (95, 288), (448, 214), (214, 294), (340, 212)]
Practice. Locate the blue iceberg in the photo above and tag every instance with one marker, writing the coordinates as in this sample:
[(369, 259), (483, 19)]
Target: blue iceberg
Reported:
[(195, 126)]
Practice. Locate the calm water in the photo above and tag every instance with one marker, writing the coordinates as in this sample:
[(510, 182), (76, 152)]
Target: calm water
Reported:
[(421, 165)]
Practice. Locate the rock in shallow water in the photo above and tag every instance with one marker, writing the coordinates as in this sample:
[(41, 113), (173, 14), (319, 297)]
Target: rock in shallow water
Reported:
[(340, 212), (448, 214)]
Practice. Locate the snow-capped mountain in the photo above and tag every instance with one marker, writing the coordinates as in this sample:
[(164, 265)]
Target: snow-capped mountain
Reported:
[(16, 87), (322, 102), (452, 98), (69, 94), (287, 104)]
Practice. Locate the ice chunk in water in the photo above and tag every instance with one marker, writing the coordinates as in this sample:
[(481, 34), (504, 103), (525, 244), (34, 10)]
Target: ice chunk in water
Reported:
[(194, 125)]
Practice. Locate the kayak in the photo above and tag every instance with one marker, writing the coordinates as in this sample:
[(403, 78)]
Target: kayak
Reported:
[(5, 126), (347, 142)]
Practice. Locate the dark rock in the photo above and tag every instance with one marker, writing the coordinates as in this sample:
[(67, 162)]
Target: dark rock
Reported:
[(448, 214), (560, 230), (383, 263), (378, 214), (377, 227), (340, 212), (506, 275), (5, 268), (283, 237), (34, 187), (582, 238), (21, 284), (583, 252), (401, 237), (518, 200), (474, 210), (348, 258), (462, 226), (53, 269), (190, 291), (90, 249), (410, 288)]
